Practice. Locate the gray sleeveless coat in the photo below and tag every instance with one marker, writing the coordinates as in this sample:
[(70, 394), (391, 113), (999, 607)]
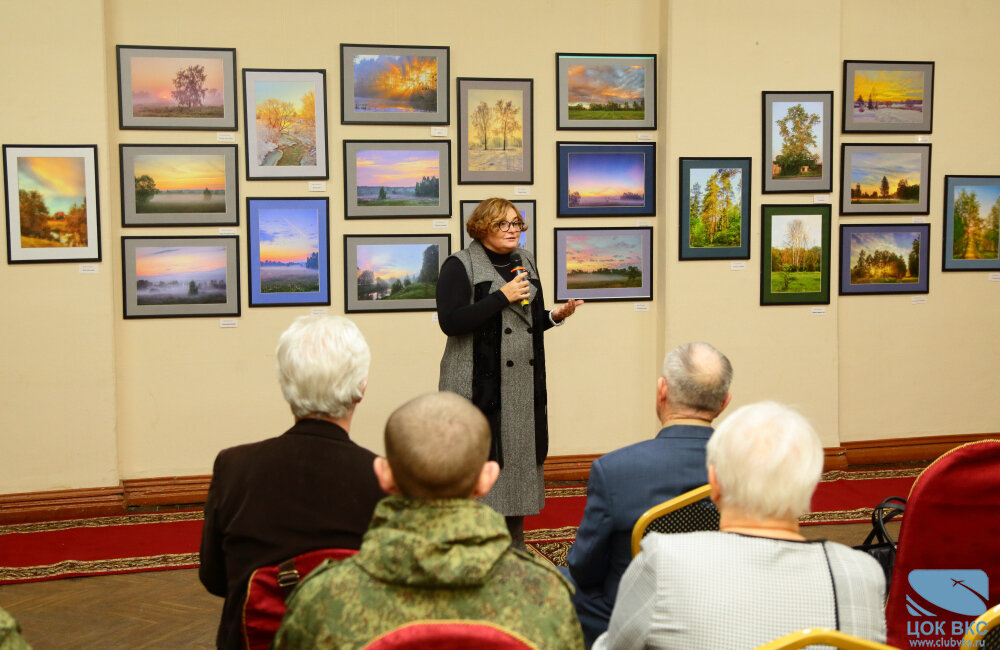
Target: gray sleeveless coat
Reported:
[(500, 367)]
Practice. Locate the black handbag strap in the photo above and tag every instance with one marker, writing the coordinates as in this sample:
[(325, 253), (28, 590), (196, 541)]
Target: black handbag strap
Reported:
[(833, 584), (884, 512)]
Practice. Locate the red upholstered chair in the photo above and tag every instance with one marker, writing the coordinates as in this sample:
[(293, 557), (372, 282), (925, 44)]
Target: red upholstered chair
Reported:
[(952, 525), (450, 635), (270, 585)]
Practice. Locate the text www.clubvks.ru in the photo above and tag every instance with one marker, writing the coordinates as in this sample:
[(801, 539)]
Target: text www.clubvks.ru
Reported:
[(947, 643)]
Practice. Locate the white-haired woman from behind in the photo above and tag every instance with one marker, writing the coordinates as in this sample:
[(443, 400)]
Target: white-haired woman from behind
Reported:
[(310, 488), (757, 578)]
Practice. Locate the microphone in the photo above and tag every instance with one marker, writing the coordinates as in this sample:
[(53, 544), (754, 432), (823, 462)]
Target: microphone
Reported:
[(516, 267)]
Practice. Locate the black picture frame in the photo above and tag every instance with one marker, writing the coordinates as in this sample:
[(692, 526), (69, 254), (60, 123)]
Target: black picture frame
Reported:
[(957, 233), (775, 178), (310, 144), (288, 223), (169, 299), (69, 228), (861, 160), (349, 112), (478, 166), (391, 155), (778, 216), (601, 289), (882, 244), (619, 162), (353, 273), (625, 81), (131, 165), (694, 167), (860, 116), (222, 70)]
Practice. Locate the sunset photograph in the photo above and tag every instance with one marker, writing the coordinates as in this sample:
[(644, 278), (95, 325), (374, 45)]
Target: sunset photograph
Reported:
[(405, 177), (885, 178), (180, 183), (395, 84), (289, 250), (607, 92), (603, 261), (613, 179), (895, 96), (180, 275), (397, 271), (285, 122)]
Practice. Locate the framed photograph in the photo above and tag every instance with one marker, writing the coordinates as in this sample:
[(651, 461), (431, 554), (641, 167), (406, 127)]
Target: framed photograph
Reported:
[(175, 277), (715, 209), (527, 211), (397, 178), (888, 97), (885, 178), (394, 84), (883, 258), (495, 130), (287, 138), (795, 255), (606, 91), (971, 223), (797, 142), (606, 179), (53, 213), (393, 272), (179, 185), (288, 251), (604, 264), (176, 88)]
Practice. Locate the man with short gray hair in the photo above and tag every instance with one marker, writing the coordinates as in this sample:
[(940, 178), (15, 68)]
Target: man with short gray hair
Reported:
[(310, 488), (691, 392)]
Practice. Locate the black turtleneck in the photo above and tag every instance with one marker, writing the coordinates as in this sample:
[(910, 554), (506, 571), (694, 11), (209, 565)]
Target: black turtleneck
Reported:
[(454, 291)]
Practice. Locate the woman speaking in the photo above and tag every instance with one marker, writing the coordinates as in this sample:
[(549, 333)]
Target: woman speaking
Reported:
[(489, 303)]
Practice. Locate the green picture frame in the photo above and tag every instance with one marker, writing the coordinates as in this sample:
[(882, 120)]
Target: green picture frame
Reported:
[(795, 257)]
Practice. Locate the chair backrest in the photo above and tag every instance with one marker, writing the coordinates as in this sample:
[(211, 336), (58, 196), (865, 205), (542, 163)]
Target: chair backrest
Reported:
[(690, 512), (947, 565), (984, 632), (450, 635), (267, 589), (833, 638)]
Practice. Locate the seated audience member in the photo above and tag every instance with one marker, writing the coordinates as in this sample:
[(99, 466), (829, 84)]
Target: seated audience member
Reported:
[(433, 552), (692, 391), (10, 633), (757, 578), (309, 488)]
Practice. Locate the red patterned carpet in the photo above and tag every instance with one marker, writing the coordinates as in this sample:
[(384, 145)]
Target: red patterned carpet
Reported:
[(169, 540)]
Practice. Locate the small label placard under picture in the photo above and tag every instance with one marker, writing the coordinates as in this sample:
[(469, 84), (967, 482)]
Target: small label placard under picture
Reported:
[(439, 132), (319, 311), (918, 300), (439, 223), (227, 322), (522, 191), (821, 198), (818, 311), (640, 306), (225, 137), (737, 266), (88, 269), (227, 231)]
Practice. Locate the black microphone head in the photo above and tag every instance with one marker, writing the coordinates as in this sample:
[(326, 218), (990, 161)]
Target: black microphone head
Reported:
[(515, 260)]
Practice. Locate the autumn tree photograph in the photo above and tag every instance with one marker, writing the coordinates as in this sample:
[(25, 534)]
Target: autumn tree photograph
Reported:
[(177, 87), (285, 123), (52, 202)]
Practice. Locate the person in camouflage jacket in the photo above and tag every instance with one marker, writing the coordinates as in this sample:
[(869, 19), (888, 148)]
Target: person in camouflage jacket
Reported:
[(432, 552)]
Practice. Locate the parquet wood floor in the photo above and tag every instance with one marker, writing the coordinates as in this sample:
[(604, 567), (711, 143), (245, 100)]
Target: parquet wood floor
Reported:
[(167, 609), (158, 609)]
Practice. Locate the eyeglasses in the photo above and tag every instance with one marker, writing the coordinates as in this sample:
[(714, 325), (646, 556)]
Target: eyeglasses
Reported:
[(507, 225)]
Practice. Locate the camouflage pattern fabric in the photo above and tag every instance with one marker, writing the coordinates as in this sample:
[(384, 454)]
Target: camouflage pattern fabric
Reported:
[(444, 559), (10, 634)]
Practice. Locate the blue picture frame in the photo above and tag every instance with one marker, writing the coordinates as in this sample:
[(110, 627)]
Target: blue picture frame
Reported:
[(583, 165), (726, 245), (294, 235), (982, 255), (884, 241)]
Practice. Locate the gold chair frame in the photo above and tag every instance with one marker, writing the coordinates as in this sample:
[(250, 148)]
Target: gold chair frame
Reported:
[(657, 511)]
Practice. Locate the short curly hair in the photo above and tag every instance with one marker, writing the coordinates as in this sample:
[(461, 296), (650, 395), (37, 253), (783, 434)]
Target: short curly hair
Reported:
[(487, 213)]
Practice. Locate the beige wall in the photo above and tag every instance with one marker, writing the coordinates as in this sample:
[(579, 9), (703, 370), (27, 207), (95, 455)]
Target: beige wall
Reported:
[(115, 399)]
